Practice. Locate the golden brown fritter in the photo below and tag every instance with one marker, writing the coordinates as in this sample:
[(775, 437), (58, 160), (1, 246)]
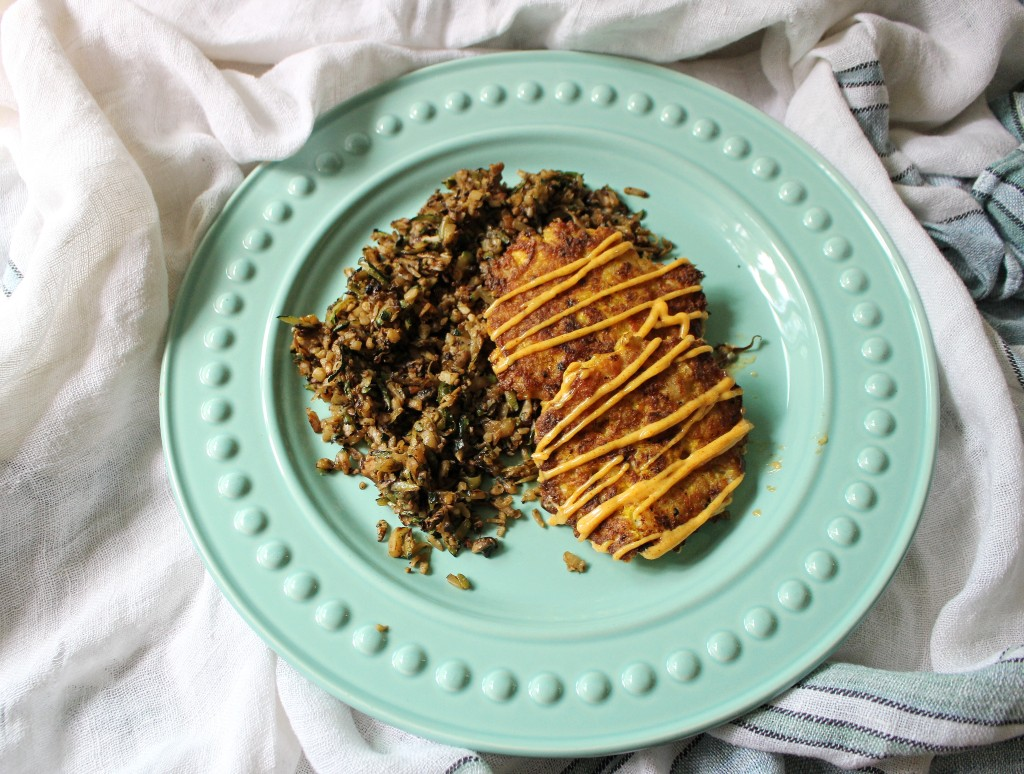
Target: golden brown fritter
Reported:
[(609, 465), (588, 300), (641, 435)]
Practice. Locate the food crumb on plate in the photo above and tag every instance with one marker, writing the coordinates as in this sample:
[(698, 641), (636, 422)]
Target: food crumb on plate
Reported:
[(573, 563), (459, 581)]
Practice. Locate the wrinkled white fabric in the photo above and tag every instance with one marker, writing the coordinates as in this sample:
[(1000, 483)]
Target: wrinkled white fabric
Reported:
[(123, 130)]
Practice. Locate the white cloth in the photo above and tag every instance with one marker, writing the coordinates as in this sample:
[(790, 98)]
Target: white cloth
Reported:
[(124, 128)]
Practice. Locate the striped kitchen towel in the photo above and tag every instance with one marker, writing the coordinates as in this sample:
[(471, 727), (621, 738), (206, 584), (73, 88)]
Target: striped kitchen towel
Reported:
[(977, 222)]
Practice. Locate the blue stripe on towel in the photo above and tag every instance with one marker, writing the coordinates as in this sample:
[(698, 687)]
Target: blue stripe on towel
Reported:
[(1009, 109), (991, 697), (1000, 190), (988, 268), (1016, 363), (985, 242), (10, 278), (868, 97)]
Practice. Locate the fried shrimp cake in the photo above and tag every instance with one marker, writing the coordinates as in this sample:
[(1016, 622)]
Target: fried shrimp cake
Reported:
[(641, 435)]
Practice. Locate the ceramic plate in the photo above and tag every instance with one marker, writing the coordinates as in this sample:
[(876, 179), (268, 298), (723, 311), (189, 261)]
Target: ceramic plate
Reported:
[(535, 660)]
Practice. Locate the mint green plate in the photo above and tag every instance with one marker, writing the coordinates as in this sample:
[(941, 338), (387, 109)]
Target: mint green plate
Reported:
[(535, 660)]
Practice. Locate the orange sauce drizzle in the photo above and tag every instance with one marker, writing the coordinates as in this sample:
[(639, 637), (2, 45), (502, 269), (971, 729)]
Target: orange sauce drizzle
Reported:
[(538, 453), (566, 510), (660, 318), (671, 538), (683, 432), (608, 250), (503, 360), (541, 453), (617, 459), (556, 273), (655, 487), (642, 434), (638, 497), (596, 261), (639, 280)]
